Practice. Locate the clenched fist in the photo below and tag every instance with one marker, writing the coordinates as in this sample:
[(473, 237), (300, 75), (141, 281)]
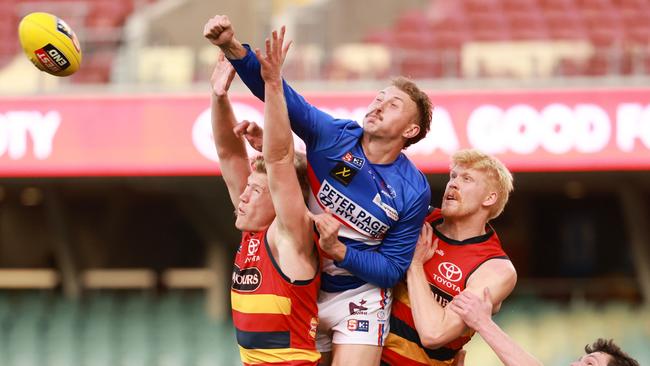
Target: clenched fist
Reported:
[(219, 31)]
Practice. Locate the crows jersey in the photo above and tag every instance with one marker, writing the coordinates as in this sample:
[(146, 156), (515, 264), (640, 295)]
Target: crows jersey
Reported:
[(447, 273), (275, 319), (381, 206)]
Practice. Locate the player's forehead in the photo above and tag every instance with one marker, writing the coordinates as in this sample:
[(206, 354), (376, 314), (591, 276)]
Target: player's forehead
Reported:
[(258, 179), (461, 169), (392, 91)]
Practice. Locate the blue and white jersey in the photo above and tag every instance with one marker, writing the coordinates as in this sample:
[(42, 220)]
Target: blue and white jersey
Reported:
[(381, 206)]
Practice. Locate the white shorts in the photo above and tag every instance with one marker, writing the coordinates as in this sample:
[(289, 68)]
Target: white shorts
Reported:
[(356, 316)]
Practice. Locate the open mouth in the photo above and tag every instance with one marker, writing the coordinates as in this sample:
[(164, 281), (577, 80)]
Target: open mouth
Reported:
[(452, 196)]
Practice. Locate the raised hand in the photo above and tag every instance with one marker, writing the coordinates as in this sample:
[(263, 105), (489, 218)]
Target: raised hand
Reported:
[(425, 247), (272, 61), (222, 76), (252, 132), (219, 31)]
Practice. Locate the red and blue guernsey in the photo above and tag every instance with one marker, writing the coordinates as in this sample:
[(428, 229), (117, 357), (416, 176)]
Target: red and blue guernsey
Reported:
[(275, 319), (381, 206)]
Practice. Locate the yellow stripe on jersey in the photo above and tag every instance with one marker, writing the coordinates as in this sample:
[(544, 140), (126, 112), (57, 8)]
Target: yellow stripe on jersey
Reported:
[(271, 355), (412, 351), (260, 304)]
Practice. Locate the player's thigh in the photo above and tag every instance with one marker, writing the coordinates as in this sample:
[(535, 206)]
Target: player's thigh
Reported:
[(325, 359), (355, 355)]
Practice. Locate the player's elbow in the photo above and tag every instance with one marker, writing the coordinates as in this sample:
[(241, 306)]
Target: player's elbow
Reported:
[(278, 155), (432, 339), (390, 279)]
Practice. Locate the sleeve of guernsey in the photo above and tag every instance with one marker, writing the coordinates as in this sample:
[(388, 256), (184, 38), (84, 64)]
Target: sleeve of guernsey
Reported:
[(387, 266), (307, 121)]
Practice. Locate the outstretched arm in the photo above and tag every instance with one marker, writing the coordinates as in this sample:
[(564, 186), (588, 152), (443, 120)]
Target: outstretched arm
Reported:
[(437, 325), (476, 312), (233, 158), (307, 121), (291, 212)]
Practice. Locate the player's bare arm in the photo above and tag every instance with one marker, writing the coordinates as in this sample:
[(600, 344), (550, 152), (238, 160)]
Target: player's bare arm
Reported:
[(220, 32), (233, 158), (476, 311), (291, 230), (436, 325)]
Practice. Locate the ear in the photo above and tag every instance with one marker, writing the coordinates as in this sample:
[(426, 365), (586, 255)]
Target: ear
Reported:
[(490, 199), (411, 131)]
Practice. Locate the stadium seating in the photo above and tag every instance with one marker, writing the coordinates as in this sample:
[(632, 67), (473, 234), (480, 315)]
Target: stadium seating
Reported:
[(139, 328), (112, 328), (618, 30)]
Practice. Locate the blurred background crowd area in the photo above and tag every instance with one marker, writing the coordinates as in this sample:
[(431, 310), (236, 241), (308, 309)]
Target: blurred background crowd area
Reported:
[(135, 270), (157, 43)]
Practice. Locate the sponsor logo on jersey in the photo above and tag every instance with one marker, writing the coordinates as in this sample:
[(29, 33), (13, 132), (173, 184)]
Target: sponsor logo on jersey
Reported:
[(350, 212), (51, 58), (247, 280), (343, 173), (448, 274), (358, 309), (450, 271), (355, 325), (354, 160), (391, 212)]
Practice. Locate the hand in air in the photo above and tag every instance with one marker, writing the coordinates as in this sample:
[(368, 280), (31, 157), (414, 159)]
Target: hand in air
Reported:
[(219, 31), (276, 52), (252, 132), (222, 76)]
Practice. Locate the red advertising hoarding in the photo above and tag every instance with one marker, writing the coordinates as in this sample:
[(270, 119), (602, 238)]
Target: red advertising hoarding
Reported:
[(135, 135)]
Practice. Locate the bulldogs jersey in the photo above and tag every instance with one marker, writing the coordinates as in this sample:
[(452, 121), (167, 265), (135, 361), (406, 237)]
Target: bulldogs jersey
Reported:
[(381, 206), (275, 319), (447, 273)]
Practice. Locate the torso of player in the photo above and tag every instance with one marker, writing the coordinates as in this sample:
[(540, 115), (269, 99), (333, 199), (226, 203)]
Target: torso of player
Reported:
[(447, 273), (366, 198), (274, 318)]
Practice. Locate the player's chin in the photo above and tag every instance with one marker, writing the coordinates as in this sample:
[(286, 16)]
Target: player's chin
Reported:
[(242, 224), (448, 210)]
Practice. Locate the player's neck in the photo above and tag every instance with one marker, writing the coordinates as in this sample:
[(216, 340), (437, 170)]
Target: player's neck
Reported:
[(462, 228), (380, 151)]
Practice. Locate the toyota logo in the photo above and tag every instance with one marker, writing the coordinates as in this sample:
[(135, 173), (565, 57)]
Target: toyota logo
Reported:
[(450, 271), (253, 245)]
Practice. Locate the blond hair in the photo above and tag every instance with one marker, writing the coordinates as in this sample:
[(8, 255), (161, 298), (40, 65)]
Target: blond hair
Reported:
[(299, 163), (499, 177)]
